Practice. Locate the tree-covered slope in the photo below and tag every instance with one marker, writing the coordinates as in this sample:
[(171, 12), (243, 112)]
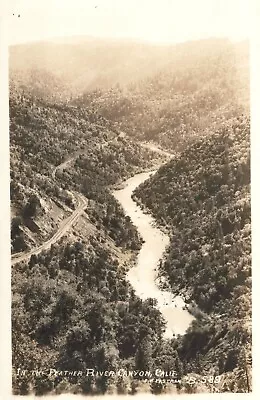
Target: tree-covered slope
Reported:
[(203, 198), (74, 310), (43, 135), (200, 86), (61, 69), (72, 305)]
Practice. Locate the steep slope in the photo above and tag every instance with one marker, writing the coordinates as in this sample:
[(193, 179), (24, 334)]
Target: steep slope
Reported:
[(74, 310), (71, 67), (72, 306), (42, 136), (203, 198), (200, 86)]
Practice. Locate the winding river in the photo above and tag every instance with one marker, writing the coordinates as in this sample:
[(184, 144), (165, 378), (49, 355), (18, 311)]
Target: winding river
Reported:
[(143, 277)]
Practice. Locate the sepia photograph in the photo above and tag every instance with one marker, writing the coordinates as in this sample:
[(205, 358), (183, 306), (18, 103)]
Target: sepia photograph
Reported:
[(130, 199)]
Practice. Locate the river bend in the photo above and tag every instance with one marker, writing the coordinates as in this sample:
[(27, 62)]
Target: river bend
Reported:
[(143, 277)]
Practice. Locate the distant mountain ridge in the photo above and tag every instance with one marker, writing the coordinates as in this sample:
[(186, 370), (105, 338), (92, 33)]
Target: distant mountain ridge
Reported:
[(87, 63)]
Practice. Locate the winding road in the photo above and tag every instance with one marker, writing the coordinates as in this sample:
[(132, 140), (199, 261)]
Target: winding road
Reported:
[(156, 149), (68, 222), (62, 166), (63, 228)]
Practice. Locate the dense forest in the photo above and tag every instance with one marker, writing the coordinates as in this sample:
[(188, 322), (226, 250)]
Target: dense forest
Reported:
[(202, 85), (203, 198), (73, 310), (83, 134), (44, 135), (47, 69)]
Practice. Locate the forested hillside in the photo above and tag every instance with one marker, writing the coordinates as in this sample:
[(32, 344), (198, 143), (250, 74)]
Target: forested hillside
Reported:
[(72, 307), (44, 135), (203, 198), (201, 86), (63, 69), (80, 112), (73, 310)]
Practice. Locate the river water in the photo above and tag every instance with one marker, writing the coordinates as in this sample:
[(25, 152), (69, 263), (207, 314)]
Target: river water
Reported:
[(143, 277)]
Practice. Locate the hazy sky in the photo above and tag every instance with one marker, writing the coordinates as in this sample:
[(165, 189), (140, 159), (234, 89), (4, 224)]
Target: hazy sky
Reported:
[(153, 20)]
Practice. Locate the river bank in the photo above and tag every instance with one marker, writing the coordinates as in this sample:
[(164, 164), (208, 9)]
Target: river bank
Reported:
[(144, 275)]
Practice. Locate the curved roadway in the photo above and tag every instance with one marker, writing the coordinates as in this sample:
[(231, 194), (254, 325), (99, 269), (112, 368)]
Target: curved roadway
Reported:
[(64, 227), (68, 222)]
